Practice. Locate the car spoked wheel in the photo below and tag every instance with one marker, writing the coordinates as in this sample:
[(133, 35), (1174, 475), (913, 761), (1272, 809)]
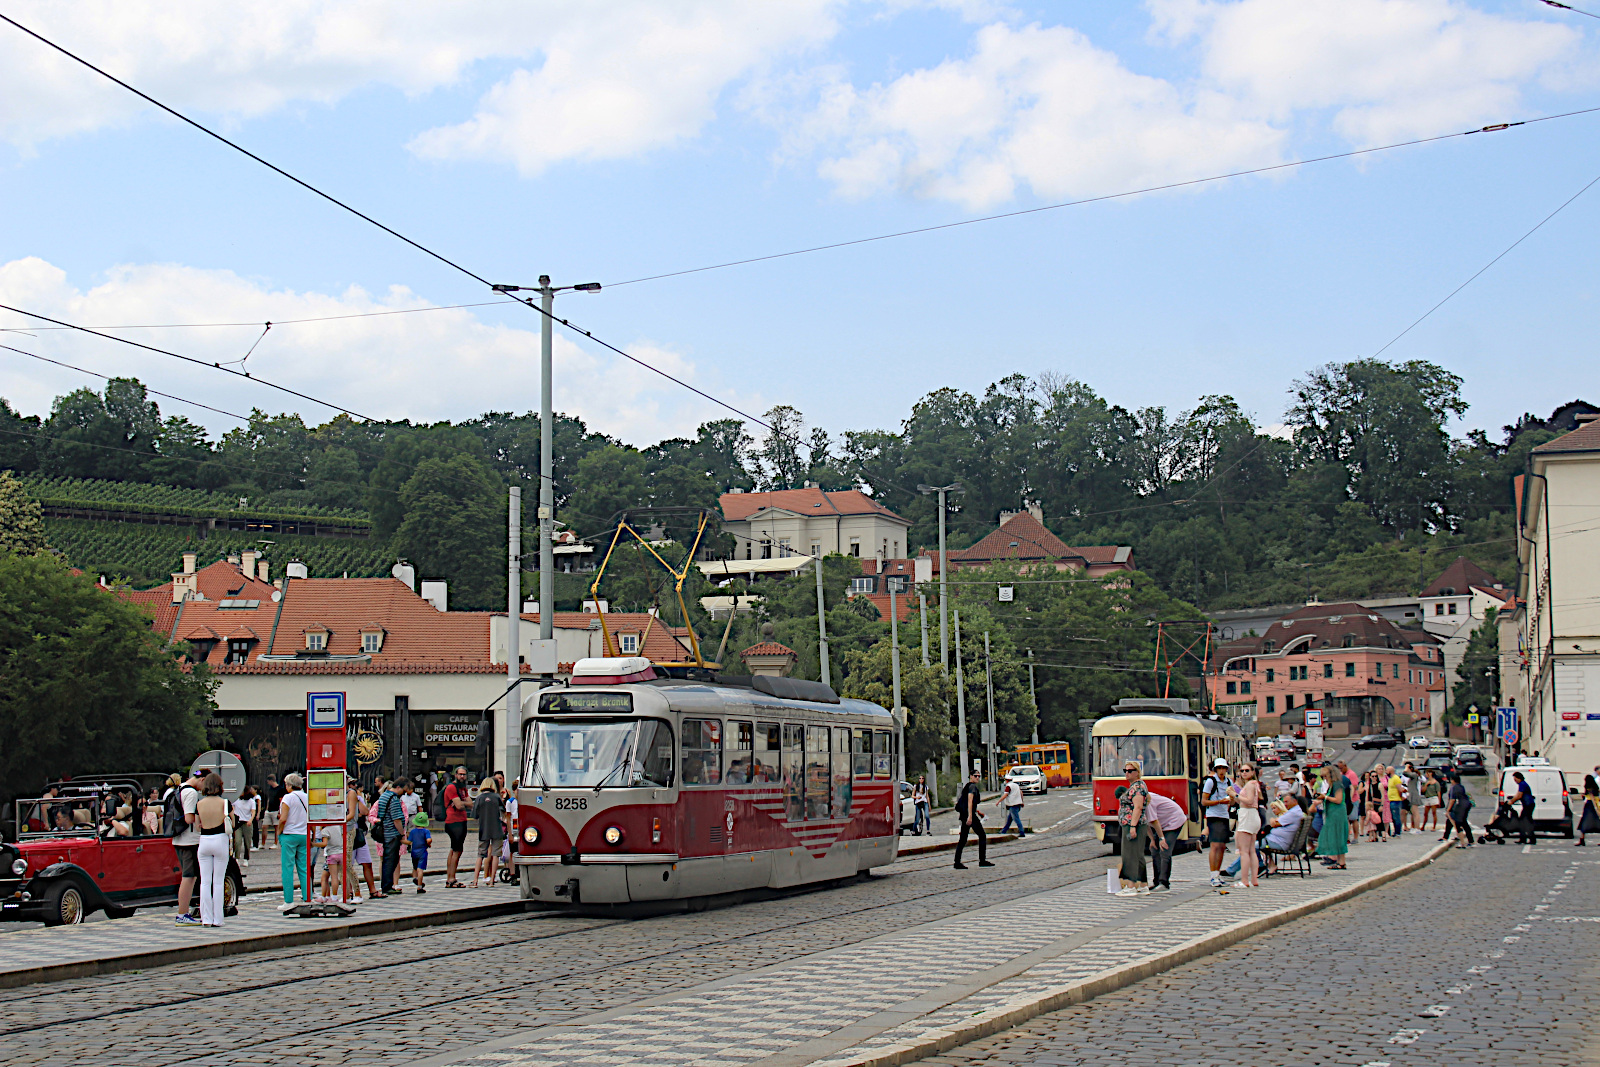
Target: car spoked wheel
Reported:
[(231, 892), (64, 906)]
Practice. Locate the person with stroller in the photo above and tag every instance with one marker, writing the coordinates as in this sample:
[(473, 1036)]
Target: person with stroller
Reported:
[(1589, 813)]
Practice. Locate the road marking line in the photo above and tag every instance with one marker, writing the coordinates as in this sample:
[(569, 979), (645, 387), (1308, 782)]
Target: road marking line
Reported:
[(1406, 1037)]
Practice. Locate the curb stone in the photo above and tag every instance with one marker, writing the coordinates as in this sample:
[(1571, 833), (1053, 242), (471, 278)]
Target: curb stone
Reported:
[(1128, 974)]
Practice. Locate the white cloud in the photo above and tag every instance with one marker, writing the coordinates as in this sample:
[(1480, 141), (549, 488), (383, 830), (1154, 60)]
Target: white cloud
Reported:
[(444, 364), (1043, 108), (1035, 106), (628, 78), (1386, 69), (605, 80)]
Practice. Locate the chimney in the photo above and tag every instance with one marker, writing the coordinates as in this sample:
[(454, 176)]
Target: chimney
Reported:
[(296, 569), (247, 562), (261, 571), (180, 587), (1586, 418), (437, 593), (189, 560), (1036, 511), (406, 573)]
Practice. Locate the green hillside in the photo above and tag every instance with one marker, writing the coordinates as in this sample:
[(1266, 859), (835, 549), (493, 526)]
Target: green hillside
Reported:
[(154, 499), (147, 555)]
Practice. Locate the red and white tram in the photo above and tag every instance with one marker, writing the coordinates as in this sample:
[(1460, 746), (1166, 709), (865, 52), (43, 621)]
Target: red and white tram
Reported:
[(638, 787), (1174, 748)]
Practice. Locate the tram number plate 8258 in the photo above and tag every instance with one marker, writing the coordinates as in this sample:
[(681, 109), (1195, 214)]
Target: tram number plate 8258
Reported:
[(572, 803)]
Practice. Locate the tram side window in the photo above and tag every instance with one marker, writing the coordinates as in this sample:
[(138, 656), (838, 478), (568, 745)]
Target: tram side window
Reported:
[(818, 772), (794, 770), (742, 738), (1194, 757), (842, 790), (702, 751), (880, 753), (769, 743), (862, 748)]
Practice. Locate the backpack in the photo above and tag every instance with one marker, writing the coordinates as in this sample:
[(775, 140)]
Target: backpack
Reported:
[(172, 823)]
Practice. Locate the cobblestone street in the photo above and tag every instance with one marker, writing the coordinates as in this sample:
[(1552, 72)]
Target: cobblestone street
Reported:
[(1486, 957)]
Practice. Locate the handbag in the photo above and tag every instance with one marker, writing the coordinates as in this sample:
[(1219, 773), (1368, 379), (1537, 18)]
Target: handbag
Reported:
[(1589, 821)]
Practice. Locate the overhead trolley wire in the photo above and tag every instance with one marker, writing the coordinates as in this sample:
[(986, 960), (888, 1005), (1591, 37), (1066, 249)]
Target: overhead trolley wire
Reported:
[(386, 229), (1491, 128), (276, 322)]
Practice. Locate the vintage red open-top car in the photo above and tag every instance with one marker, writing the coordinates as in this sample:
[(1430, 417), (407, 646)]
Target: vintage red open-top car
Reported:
[(81, 849)]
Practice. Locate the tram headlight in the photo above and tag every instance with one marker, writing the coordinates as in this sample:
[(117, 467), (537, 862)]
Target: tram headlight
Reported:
[(530, 834), (613, 835), (19, 866)]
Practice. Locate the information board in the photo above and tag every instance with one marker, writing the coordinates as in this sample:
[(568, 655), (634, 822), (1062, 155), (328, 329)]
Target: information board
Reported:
[(325, 793)]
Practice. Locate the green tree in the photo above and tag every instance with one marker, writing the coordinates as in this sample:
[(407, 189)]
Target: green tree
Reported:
[(19, 439), (404, 453), (1478, 674), (782, 464), (609, 479), (927, 694), (21, 519), (454, 528), (335, 479), (90, 435), (85, 685)]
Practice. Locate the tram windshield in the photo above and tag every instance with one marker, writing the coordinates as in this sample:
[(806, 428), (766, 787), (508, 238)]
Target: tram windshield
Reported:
[(622, 754), (1157, 756)]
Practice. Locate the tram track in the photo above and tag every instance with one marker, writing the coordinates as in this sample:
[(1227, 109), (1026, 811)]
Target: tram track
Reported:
[(372, 972)]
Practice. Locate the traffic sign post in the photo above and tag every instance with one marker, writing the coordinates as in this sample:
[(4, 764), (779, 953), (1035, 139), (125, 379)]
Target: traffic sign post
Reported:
[(227, 766), (327, 793)]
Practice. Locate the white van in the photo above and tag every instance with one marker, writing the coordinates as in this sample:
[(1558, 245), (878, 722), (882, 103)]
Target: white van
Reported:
[(1550, 811)]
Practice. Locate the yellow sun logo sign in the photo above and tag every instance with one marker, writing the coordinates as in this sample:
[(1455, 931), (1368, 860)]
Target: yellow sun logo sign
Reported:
[(368, 747)]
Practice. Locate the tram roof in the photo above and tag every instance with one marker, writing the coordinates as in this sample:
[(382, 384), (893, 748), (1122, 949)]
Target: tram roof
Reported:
[(738, 697), (1219, 725)]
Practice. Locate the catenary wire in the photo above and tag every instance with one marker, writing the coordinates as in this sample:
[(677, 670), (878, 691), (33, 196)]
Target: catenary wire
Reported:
[(1492, 128), (389, 230), (1475, 275), (1569, 7), (107, 377), (275, 322), (191, 359)]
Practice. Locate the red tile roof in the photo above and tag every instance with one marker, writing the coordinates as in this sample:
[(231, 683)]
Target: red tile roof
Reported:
[(737, 506), (1586, 438), (1460, 577), (1327, 625), (768, 648), (1020, 537)]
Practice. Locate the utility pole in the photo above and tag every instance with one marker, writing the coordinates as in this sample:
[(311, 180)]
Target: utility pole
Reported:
[(512, 734), (944, 568), (961, 705), (547, 447), (922, 613), (1033, 696), (988, 685), (822, 623), (894, 660)]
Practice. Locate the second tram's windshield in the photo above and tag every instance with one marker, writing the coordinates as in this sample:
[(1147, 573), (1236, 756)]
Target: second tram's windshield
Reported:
[(623, 753)]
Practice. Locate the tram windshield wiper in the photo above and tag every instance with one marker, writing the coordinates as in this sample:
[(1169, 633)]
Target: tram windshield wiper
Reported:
[(626, 761)]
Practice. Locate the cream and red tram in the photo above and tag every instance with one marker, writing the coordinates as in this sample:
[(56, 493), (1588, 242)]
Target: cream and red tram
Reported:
[(638, 787), (1174, 747)]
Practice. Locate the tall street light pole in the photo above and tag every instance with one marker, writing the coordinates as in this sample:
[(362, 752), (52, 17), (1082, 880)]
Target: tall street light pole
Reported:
[(944, 568)]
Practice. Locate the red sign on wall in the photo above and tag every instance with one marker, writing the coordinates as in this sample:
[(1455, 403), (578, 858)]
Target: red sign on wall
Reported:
[(1570, 715)]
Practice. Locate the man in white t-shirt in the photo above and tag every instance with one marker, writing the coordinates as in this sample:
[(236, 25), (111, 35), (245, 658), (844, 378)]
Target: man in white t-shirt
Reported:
[(186, 843)]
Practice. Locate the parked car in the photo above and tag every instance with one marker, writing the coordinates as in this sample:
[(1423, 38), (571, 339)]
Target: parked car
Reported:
[(1030, 778), (908, 810), (68, 861), (1374, 741), (1420, 741), (1438, 763), (1469, 760)]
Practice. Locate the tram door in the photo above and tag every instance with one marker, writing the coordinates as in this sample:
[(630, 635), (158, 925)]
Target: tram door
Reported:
[(1195, 771)]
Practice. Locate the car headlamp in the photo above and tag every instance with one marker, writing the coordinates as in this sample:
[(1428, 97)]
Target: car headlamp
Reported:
[(530, 834), (19, 866), (613, 835)]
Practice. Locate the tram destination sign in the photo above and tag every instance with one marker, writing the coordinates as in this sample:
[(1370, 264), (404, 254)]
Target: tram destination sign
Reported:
[(620, 703)]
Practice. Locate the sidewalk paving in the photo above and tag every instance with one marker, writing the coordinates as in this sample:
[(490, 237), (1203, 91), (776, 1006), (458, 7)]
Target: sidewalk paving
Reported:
[(148, 938), (896, 998)]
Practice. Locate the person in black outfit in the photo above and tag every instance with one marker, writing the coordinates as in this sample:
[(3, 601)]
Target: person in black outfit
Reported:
[(1525, 801), (967, 812)]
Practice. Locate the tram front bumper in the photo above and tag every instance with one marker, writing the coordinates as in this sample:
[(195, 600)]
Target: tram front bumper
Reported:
[(598, 878)]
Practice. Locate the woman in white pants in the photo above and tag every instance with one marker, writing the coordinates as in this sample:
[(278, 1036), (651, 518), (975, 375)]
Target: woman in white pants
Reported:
[(211, 817)]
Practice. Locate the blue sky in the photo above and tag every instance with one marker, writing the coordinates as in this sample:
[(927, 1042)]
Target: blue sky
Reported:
[(613, 140)]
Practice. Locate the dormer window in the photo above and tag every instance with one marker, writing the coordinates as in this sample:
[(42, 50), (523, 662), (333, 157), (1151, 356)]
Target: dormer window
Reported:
[(628, 644), (372, 642), (238, 650), (316, 641), (861, 585)]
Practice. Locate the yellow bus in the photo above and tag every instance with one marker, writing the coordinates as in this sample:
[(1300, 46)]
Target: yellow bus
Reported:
[(1053, 758)]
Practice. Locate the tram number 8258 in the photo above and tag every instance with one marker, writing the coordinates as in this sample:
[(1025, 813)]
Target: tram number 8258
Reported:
[(572, 803)]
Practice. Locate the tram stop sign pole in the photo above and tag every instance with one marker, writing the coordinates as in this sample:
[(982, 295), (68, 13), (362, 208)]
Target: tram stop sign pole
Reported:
[(327, 793)]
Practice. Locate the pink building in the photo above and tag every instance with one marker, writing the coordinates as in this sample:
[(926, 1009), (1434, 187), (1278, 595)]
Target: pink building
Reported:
[(1364, 672)]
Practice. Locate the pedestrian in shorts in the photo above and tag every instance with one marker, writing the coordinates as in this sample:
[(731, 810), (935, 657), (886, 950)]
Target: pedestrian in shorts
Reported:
[(420, 840), (1215, 801), (490, 813), (457, 811)]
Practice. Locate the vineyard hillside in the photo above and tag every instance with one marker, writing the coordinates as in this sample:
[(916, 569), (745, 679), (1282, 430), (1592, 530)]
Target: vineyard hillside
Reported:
[(147, 555), (153, 499)]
